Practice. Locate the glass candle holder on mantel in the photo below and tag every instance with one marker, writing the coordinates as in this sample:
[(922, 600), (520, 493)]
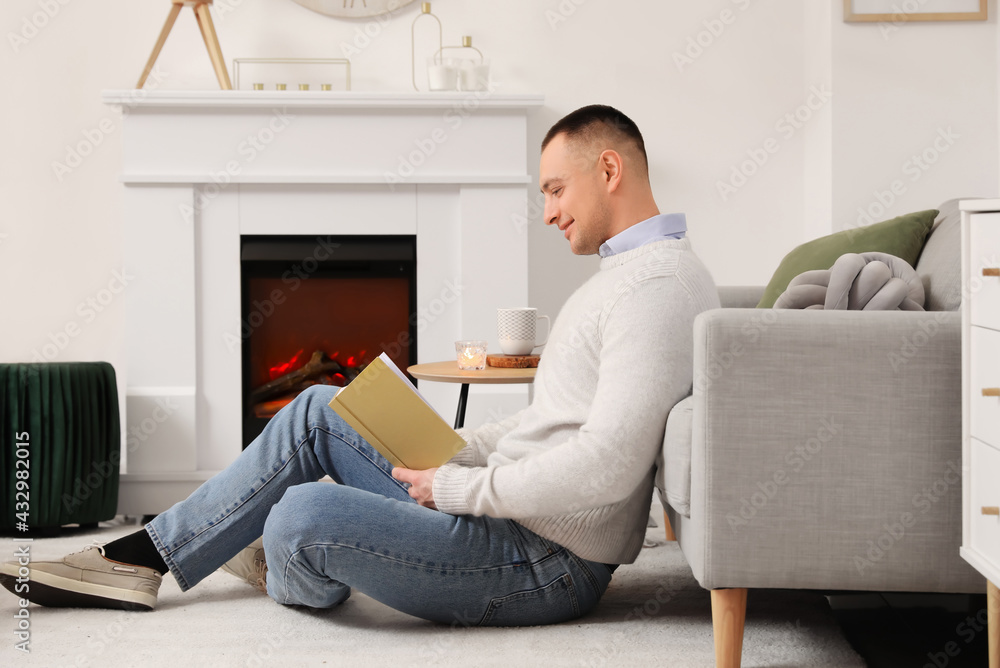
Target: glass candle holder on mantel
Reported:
[(442, 73), (474, 72), (425, 10), (471, 355), (447, 72), (473, 75)]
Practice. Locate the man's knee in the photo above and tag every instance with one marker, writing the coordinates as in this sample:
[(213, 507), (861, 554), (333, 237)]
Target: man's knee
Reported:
[(287, 518), (315, 401), (318, 512), (291, 514), (294, 521), (317, 394), (291, 526)]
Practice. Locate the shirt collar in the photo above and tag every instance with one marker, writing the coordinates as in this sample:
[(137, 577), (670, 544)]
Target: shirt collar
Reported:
[(662, 226)]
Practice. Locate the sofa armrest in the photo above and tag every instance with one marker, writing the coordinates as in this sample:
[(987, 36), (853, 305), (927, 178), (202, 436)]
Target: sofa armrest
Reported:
[(826, 450), (740, 296)]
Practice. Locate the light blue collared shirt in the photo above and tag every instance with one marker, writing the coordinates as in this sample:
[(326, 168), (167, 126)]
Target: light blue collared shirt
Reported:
[(663, 226)]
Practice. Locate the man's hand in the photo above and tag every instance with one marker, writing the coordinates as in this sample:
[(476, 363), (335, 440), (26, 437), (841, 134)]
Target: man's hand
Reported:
[(421, 484)]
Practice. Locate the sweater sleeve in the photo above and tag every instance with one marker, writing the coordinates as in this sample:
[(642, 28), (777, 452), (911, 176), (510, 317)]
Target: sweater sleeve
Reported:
[(644, 368), (483, 440)]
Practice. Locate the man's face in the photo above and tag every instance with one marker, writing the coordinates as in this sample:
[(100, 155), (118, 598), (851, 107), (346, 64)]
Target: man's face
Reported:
[(575, 195)]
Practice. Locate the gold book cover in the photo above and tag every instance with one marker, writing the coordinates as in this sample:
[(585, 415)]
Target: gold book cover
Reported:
[(384, 407)]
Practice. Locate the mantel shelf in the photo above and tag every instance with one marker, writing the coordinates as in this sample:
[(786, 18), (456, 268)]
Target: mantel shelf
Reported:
[(331, 179), (206, 99)]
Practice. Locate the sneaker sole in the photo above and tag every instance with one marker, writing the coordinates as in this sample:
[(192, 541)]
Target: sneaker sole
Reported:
[(54, 591)]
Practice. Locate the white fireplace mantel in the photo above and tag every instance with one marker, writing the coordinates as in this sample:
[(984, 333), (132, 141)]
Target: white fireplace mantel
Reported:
[(336, 100), (202, 168)]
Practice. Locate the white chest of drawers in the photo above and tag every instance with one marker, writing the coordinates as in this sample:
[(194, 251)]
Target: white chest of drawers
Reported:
[(981, 400)]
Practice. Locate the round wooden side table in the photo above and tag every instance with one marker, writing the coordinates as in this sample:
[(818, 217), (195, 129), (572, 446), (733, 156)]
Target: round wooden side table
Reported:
[(448, 372)]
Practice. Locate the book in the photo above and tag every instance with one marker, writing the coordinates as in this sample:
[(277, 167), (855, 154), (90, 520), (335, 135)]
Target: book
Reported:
[(384, 407)]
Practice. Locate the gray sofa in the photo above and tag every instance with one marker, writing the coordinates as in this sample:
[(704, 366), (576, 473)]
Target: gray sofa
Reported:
[(822, 449)]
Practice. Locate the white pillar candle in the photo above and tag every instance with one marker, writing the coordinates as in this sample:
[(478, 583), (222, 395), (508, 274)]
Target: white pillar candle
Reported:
[(442, 75)]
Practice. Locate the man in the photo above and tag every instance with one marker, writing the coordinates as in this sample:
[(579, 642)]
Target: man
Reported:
[(523, 526)]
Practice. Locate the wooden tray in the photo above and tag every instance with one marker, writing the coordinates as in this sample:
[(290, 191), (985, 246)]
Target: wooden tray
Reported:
[(513, 361)]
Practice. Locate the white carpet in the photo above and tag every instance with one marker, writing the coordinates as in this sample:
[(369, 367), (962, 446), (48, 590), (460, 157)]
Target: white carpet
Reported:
[(654, 613)]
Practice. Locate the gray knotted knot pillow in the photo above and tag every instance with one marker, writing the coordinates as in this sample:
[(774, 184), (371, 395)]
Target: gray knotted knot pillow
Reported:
[(857, 282)]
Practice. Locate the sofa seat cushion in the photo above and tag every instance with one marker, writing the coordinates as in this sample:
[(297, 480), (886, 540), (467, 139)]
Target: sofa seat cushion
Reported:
[(673, 466)]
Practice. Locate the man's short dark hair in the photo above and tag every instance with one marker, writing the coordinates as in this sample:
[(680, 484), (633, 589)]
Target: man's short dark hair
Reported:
[(588, 122)]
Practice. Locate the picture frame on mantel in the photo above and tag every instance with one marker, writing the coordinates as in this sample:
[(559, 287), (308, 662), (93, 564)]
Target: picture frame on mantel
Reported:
[(895, 11)]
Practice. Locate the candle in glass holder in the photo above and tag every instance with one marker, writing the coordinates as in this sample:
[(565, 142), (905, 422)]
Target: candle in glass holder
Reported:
[(471, 355), (442, 73)]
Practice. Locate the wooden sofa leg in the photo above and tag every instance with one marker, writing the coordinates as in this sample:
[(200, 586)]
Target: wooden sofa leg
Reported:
[(729, 610), (667, 527), (993, 616)]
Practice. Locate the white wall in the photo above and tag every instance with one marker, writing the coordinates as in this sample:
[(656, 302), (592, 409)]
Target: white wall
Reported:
[(905, 91), (60, 235)]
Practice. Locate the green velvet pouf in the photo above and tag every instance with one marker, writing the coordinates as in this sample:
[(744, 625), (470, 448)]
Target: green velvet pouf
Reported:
[(60, 444)]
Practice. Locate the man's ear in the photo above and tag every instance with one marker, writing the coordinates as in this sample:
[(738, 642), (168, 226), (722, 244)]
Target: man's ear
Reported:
[(611, 165)]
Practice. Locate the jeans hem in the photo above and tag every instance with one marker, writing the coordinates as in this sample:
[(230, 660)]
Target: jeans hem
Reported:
[(175, 569), (167, 559)]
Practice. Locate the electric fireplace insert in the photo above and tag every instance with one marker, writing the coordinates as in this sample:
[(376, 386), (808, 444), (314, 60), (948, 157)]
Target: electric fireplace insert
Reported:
[(316, 310)]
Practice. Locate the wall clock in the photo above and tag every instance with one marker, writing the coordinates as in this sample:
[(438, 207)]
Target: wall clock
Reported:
[(352, 9)]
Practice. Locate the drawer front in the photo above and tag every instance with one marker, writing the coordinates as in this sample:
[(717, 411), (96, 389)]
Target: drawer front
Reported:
[(985, 474), (984, 374), (984, 244)]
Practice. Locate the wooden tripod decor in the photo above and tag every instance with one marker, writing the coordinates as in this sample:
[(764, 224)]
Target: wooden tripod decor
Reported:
[(207, 32)]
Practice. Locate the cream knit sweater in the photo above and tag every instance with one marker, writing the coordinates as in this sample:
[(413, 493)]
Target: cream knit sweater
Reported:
[(576, 466)]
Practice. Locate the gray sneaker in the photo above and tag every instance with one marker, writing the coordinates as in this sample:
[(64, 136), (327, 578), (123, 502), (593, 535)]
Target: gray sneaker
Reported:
[(85, 579), (249, 565)]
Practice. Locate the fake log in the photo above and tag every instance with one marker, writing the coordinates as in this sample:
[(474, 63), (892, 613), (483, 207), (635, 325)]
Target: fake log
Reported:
[(319, 365)]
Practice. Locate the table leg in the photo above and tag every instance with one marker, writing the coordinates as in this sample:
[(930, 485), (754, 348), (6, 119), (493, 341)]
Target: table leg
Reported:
[(463, 397)]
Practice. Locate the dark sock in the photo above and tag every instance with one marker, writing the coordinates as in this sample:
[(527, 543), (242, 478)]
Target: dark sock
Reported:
[(136, 549)]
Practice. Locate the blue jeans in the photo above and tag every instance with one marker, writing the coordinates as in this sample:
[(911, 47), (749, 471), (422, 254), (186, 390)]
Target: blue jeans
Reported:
[(320, 540)]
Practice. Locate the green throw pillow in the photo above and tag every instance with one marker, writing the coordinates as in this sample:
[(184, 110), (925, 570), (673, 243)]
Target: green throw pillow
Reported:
[(903, 237)]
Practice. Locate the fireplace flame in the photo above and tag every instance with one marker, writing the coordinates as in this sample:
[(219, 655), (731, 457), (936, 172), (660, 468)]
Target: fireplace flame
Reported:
[(279, 370), (318, 368), (298, 361)]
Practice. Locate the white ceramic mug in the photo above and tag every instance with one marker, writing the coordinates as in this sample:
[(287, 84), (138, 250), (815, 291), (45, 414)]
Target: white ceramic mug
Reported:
[(516, 328)]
